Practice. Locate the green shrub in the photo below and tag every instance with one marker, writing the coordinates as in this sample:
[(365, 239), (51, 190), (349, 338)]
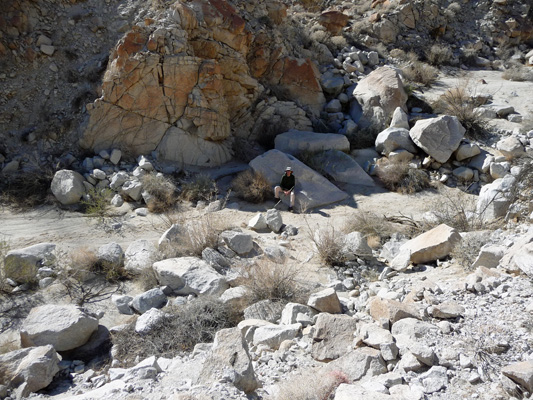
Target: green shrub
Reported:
[(97, 203), (179, 331), (401, 178), (202, 187), (252, 186)]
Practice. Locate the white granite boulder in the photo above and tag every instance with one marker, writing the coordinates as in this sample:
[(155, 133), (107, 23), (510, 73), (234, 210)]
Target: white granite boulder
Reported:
[(63, 326), (240, 242), (67, 186), (312, 189), (189, 275), (493, 201), (511, 147), (273, 335), (153, 298), (325, 301), (342, 168), (28, 370), (392, 139), (111, 254), (439, 137), (22, 265), (139, 255)]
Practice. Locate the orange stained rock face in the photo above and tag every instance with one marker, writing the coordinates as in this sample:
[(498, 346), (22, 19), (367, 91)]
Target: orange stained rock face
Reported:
[(333, 21), (214, 9)]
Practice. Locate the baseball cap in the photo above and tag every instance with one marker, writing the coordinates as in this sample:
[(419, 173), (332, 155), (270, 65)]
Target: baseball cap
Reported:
[(288, 169)]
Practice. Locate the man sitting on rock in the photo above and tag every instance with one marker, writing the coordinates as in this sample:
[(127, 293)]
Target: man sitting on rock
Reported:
[(288, 181)]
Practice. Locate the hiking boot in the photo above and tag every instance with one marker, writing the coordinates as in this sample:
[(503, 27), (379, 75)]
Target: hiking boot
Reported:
[(291, 209)]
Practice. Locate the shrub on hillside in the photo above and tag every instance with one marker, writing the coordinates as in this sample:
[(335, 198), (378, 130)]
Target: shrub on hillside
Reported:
[(179, 331), (202, 187), (162, 191), (196, 235), (421, 73), (97, 203), (466, 250), (375, 229), (252, 186), (329, 244), (460, 103), (439, 54), (401, 178)]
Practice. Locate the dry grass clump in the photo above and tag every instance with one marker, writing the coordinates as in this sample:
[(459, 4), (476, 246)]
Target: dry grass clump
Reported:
[(329, 244), (439, 54), (162, 191), (268, 280), (466, 250), (401, 178), (518, 73), (375, 229), (86, 279), (97, 203), (460, 103), (521, 194), (421, 73), (311, 385), (202, 187), (252, 186), (180, 330), (199, 234)]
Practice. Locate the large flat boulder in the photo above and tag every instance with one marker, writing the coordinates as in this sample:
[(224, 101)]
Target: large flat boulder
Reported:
[(520, 256), (28, 370), (189, 275), (343, 168), (439, 137), (312, 189), (394, 138), (432, 245), (493, 201), (230, 357), (273, 335), (521, 373), (295, 142), (22, 265), (139, 255), (333, 334), (377, 96), (63, 326)]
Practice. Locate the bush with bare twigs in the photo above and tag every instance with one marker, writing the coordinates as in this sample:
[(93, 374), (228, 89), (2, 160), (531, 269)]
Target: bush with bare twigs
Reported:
[(518, 73), (162, 192), (329, 244), (521, 193), (252, 186), (460, 102), (268, 280), (439, 54), (374, 228), (420, 73), (466, 250), (85, 279), (400, 177), (195, 236), (178, 331), (202, 187), (97, 203)]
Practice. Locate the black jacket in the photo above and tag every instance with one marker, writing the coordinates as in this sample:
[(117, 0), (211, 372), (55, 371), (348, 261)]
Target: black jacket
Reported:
[(287, 182)]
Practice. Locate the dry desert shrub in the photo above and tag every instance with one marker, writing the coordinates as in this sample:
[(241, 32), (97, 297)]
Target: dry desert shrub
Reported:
[(420, 73), (329, 244), (521, 193), (401, 178), (196, 235), (97, 203), (466, 250), (268, 280), (518, 73), (162, 191), (311, 385), (202, 187), (460, 102), (439, 54), (374, 228), (178, 331), (252, 186)]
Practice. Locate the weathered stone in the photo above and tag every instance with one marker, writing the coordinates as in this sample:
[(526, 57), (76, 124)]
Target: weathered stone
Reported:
[(333, 335), (375, 336), (463, 173), (378, 95), (434, 380), (258, 222), (264, 310), (333, 21), (215, 259), (356, 244), (466, 151), (391, 310), (325, 301), (169, 238), (99, 344), (493, 202), (489, 256), (448, 309), (229, 359), (273, 335), (153, 298), (357, 391), (64, 327), (521, 373), (439, 137), (359, 363), (241, 243), (235, 297), (139, 256), (312, 189), (394, 138), (511, 148), (290, 313), (122, 302), (273, 220), (111, 254), (430, 246), (189, 275), (331, 84), (22, 265), (67, 186), (28, 370), (400, 119), (342, 168), (149, 320), (132, 189), (295, 142), (520, 256)]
